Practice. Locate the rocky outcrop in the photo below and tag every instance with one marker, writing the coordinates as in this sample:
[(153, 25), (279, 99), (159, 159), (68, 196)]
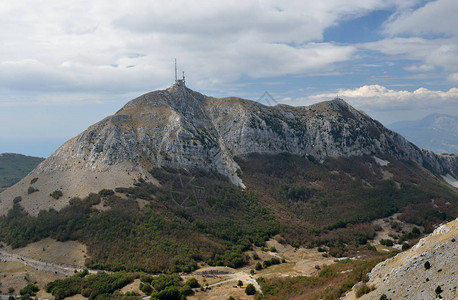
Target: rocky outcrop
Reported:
[(182, 128), (417, 272), (178, 127)]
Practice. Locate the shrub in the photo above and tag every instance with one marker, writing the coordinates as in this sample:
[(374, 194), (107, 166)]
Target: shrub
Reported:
[(438, 290), (386, 242), (34, 180), (427, 265), (370, 247), (56, 194), (146, 288), (405, 246), (255, 256), (231, 298), (169, 293), (275, 261), (327, 272), (31, 190), (273, 249), (106, 192), (383, 297), (17, 199), (186, 290), (146, 278), (192, 282), (250, 289), (239, 283), (266, 263), (29, 290), (363, 289), (258, 266)]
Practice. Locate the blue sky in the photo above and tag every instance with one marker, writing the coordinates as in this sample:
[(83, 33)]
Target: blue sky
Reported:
[(65, 65)]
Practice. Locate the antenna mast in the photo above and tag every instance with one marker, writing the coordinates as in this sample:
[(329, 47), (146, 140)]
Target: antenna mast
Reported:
[(175, 70)]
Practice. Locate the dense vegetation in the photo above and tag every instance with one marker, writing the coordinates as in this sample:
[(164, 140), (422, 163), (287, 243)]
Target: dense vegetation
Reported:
[(195, 216), (331, 203), (107, 286), (171, 233), (13, 167)]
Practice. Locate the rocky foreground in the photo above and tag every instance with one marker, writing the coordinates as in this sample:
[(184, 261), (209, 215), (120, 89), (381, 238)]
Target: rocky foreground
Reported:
[(418, 272)]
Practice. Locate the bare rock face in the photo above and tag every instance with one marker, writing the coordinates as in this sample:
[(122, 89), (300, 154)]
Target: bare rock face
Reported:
[(178, 127), (417, 272)]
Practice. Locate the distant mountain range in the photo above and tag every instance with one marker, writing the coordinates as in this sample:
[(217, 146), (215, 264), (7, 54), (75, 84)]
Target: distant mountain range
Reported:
[(13, 167), (436, 132)]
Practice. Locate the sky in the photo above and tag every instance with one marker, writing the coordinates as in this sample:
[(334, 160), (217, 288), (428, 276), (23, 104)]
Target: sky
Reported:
[(65, 65)]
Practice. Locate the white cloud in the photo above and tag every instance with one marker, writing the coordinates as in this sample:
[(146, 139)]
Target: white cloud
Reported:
[(419, 68), (432, 52), (380, 98), (427, 34), (117, 45), (453, 77), (435, 17)]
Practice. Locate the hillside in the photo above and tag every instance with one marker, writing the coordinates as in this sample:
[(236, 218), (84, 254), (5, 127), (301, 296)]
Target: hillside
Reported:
[(176, 181), (14, 167), (437, 132), (181, 128), (176, 167), (416, 273)]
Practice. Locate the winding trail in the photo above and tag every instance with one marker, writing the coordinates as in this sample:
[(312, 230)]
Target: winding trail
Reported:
[(69, 270), (41, 265)]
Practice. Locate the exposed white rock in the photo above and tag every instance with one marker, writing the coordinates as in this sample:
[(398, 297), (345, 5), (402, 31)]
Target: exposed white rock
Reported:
[(381, 162), (450, 180)]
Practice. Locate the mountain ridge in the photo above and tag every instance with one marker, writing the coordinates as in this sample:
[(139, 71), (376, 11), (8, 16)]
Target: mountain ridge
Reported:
[(180, 128)]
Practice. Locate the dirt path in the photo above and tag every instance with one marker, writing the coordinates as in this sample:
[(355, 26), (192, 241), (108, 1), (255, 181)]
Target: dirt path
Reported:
[(242, 275), (41, 265)]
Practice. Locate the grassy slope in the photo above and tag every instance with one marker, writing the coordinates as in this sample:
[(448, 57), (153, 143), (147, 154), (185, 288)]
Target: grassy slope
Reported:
[(198, 216), (13, 167)]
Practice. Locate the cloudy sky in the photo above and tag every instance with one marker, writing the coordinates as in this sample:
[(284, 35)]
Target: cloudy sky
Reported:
[(65, 65)]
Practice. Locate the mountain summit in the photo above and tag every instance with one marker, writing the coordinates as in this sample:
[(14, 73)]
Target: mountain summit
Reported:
[(180, 128)]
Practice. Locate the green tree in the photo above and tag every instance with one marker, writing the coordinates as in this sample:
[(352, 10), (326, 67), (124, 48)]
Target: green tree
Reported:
[(427, 265), (250, 289), (192, 282), (438, 290), (405, 246)]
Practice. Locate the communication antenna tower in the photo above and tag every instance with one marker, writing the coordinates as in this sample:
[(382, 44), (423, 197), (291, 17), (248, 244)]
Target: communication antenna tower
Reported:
[(175, 70), (178, 81)]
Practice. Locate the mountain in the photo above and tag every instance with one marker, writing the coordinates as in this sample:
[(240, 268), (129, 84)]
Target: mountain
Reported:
[(416, 273), (437, 132), (176, 179), (181, 128), (14, 167)]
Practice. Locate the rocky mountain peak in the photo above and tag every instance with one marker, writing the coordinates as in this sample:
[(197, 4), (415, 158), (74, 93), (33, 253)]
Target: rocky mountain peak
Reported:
[(180, 128)]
